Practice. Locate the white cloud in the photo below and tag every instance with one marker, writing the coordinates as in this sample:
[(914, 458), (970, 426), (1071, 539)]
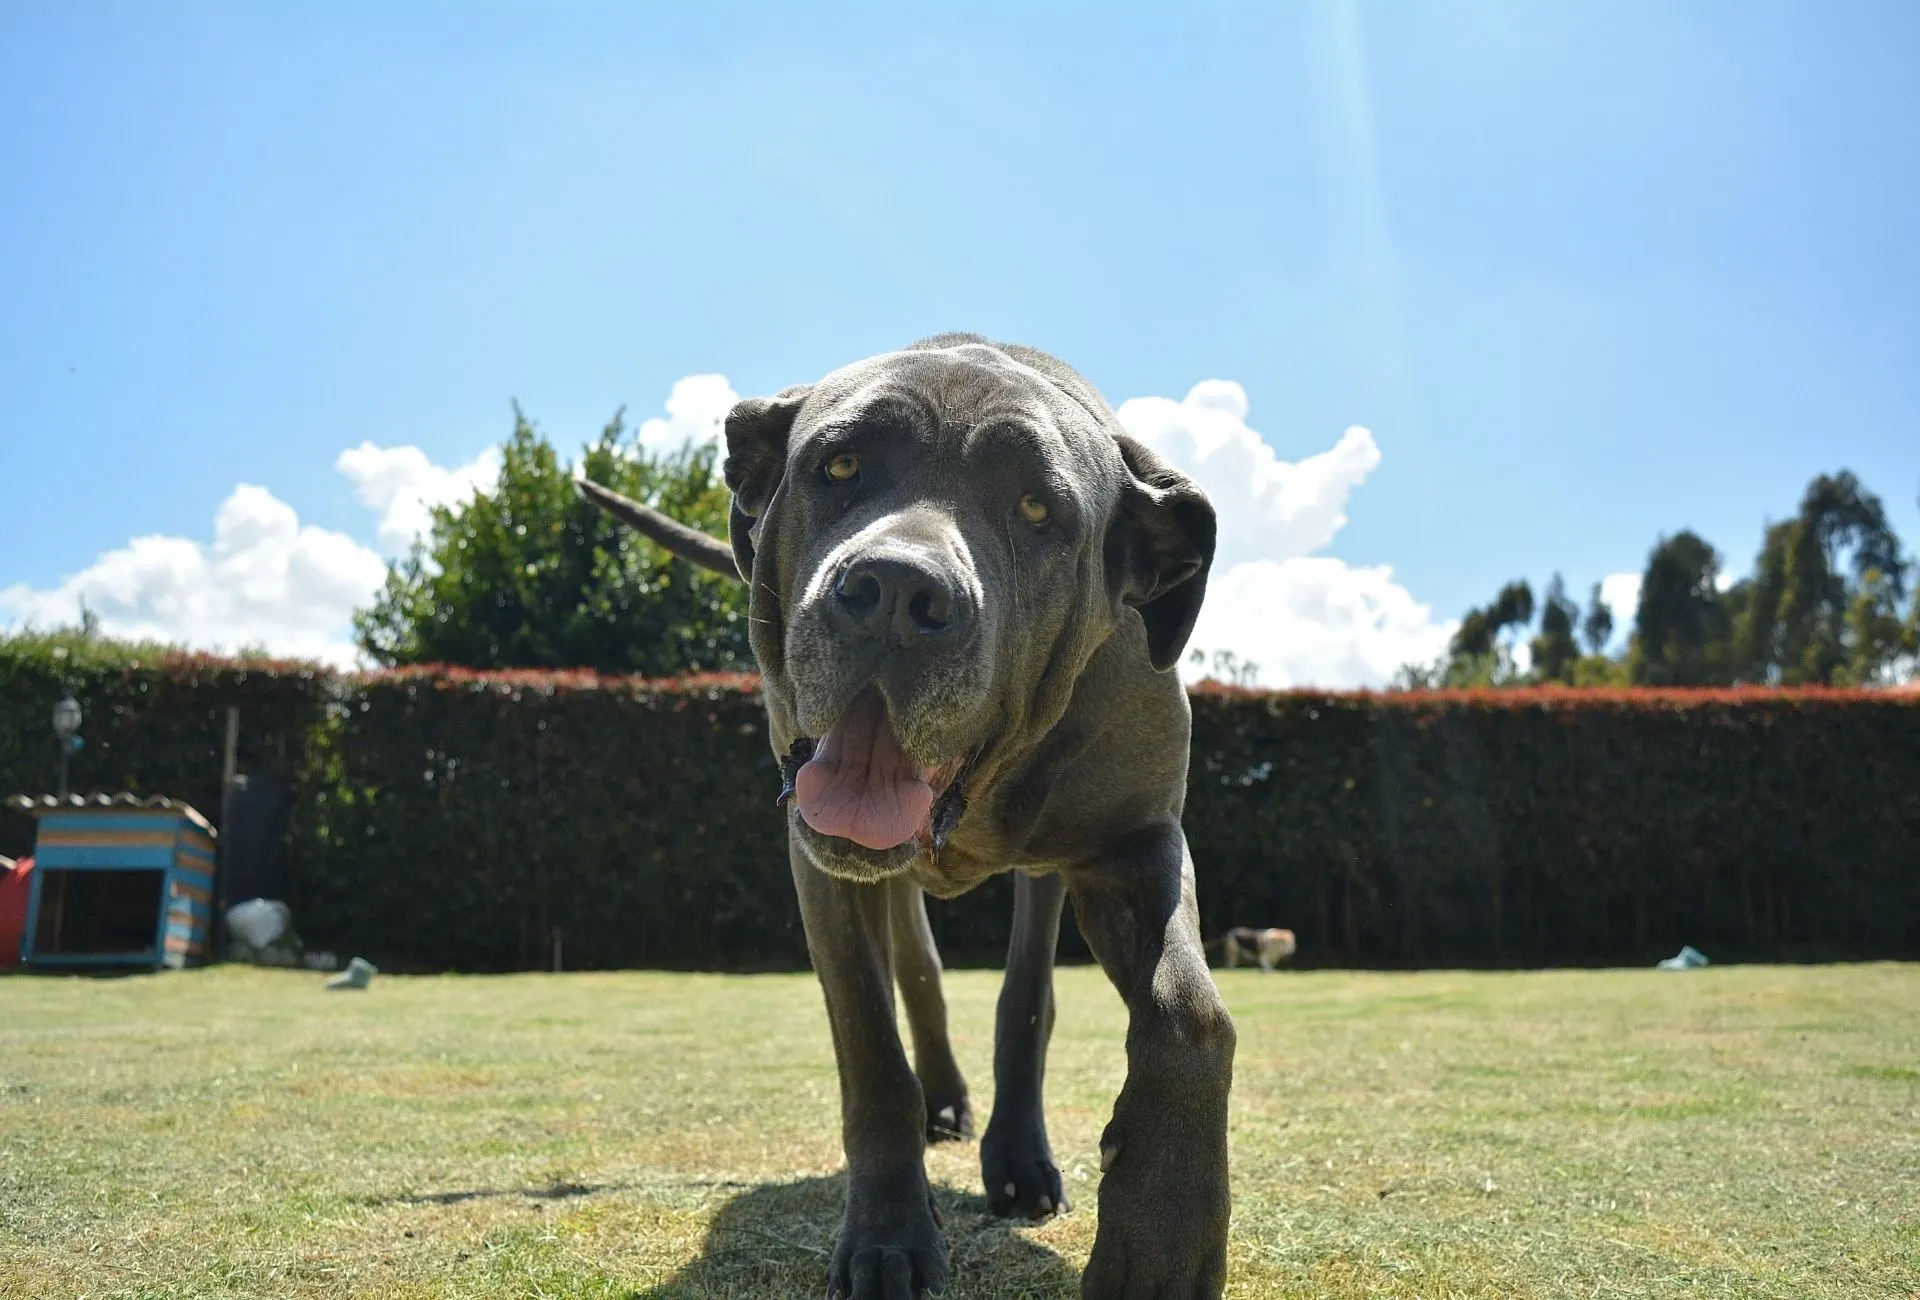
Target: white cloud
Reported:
[(265, 580), (1520, 651), (1315, 621), (403, 486), (1620, 592), (696, 413), (1304, 619), (1268, 508)]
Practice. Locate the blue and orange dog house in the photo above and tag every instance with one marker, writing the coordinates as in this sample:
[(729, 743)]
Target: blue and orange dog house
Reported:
[(118, 881)]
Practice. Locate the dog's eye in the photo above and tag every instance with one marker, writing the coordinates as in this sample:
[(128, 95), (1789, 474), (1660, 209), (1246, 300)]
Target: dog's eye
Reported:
[(1033, 510), (844, 468)]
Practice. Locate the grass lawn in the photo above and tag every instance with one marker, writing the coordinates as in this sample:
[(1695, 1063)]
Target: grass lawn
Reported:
[(1735, 1131)]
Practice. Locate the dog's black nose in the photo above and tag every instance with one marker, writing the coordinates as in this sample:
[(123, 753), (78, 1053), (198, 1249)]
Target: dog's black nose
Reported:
[(885, 596)]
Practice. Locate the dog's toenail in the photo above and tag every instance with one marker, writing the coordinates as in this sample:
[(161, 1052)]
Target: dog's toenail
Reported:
[(1046, 1205), (1109, 1154), (1010, 1190)]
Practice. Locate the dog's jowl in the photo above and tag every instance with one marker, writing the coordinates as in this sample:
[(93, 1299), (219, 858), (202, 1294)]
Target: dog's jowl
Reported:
[(969, 587)]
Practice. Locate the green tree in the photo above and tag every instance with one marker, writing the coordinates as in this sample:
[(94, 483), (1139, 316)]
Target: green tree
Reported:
[(1825, 584), (1480, 656), (1875, 636), (1229, 669), (1476, 656), (527, 575), (1597, 627), (1555, 649), (1681, 632), (82, 645), (1600, 670), (1480, 630), (1910, 641)]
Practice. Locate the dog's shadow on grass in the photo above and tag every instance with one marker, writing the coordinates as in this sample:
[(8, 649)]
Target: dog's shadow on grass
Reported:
[(776, 1241)]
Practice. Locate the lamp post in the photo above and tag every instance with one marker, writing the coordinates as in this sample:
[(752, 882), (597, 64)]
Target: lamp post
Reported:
[(66, 721)]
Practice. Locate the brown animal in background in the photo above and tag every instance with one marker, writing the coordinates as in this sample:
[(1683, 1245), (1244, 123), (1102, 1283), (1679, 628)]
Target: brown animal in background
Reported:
[(1268, 947)]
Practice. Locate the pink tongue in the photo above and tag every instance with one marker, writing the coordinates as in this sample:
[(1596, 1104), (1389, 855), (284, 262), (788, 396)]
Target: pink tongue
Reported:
[(859, 786)]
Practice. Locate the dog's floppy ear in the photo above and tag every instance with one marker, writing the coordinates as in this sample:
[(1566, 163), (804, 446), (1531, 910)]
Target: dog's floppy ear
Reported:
[(1159, 549), (757, 430)]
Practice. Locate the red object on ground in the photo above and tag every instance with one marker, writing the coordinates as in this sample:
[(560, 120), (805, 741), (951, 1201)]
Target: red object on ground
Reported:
[(15, 887)]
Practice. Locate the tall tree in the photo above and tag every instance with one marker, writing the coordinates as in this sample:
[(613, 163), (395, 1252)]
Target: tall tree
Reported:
[(1480, 630), (527, 575), (1476, 656), (1681, 633), (1597, 627), (1875, 636), (1555, 649), (1798, 621), (1910, 639)]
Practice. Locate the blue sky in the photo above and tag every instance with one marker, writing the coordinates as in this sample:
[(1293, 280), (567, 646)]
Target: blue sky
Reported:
[(1587, 272)]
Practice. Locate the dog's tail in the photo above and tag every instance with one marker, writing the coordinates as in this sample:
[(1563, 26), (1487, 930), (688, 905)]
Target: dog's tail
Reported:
[(690, 544)]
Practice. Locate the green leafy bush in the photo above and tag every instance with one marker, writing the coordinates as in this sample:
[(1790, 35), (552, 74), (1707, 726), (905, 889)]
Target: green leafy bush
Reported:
[(528, 575)]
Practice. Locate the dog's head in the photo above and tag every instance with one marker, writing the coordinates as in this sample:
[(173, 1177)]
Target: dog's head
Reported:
[(938, 541)]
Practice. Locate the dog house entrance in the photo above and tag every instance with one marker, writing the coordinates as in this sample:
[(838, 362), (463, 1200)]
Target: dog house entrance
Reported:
[(94, 912)]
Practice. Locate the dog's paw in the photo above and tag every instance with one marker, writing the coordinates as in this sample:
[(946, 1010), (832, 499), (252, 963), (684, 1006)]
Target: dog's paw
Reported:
[(949, 1118), (890, 1246), (1163, 1218), (1016, 1164)]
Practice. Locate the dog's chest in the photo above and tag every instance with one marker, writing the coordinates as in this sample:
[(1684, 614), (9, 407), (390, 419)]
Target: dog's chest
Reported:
[(952, 871)]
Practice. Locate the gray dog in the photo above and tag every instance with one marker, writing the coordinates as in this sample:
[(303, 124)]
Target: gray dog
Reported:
[(969, 587)]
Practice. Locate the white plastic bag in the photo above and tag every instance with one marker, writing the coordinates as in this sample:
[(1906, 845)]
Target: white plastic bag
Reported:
[(259, 921)]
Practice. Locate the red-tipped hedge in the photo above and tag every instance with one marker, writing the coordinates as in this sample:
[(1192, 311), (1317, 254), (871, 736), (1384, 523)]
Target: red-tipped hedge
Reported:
[(1560, 826), (468, 815), (152, 725), (449, 819)]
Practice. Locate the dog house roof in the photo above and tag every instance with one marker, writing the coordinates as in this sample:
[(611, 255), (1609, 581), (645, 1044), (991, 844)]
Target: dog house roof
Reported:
[(40, 805)]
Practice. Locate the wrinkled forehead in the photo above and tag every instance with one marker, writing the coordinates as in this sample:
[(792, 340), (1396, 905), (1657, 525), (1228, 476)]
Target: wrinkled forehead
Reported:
[(968, 393)]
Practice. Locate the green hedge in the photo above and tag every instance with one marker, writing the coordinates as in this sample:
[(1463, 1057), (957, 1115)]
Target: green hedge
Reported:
[(153, 725), (465, 816), (1561, 827), (454, 820)]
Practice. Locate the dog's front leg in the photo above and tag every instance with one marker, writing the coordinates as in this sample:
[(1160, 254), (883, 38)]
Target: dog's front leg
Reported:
[(890, 1246), (1015, 1157), (1163, 1197), (916, 968)]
